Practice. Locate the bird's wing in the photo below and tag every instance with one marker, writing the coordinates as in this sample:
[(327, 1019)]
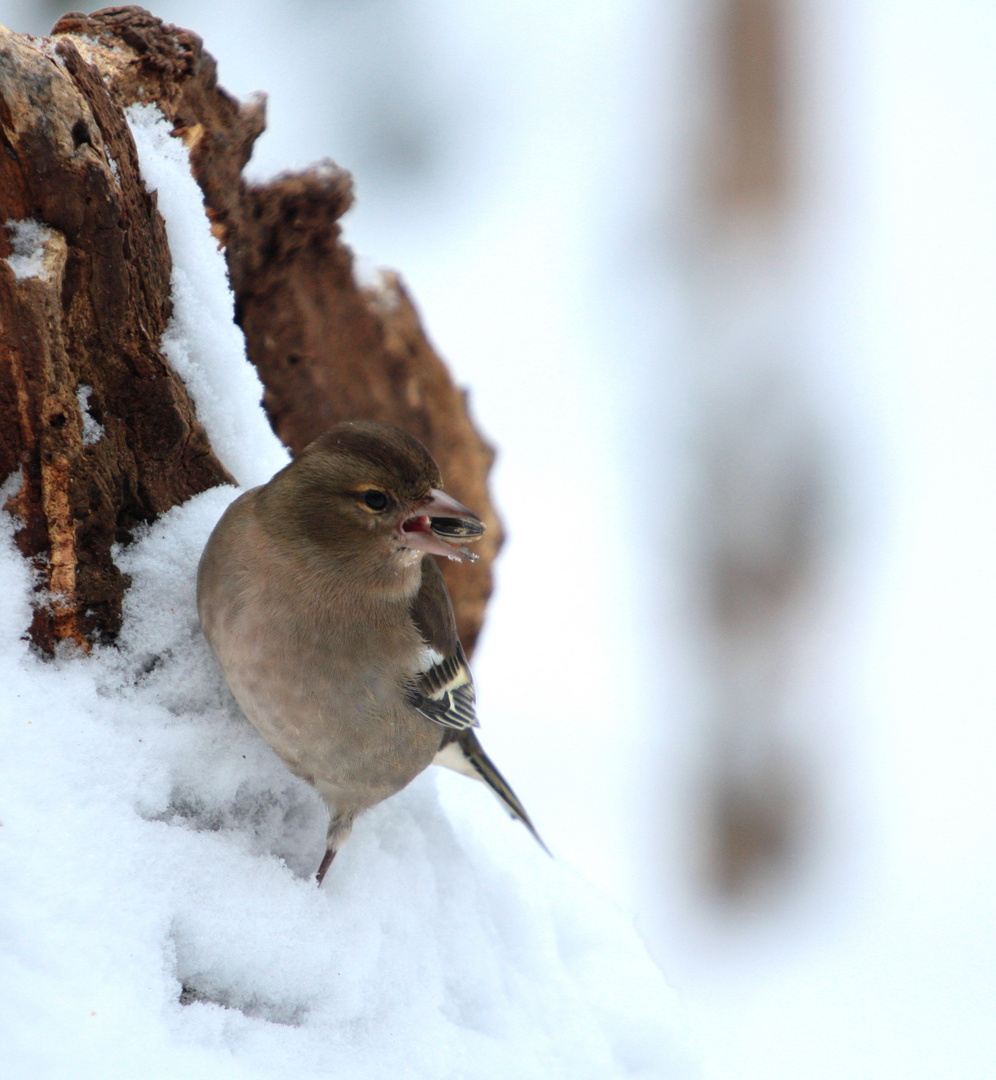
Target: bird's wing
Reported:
[(443, 688), (444, 692)]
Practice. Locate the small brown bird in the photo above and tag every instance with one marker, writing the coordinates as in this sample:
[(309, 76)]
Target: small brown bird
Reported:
[(334, 632)]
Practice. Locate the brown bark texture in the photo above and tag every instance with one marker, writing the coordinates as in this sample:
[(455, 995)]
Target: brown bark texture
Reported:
[(80, 327)]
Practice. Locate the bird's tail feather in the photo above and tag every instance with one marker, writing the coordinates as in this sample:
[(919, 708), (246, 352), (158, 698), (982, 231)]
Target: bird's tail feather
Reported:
[(486, 771)]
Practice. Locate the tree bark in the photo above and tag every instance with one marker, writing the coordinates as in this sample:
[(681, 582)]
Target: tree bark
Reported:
[(90, 317), (326, 348)]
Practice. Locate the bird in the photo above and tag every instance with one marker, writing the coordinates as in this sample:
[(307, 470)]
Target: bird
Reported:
[(333, 626)]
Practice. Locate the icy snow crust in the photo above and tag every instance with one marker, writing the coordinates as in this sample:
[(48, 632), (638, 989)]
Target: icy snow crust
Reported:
[(159, 916)]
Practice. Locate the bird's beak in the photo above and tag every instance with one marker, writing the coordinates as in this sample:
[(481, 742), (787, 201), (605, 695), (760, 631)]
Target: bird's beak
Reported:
[(439, 524)]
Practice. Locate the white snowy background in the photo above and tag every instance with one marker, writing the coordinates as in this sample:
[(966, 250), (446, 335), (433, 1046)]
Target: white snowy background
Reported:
[(524, 166)]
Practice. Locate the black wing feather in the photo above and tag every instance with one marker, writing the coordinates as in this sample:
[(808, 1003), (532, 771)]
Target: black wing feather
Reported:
[(444, 693)]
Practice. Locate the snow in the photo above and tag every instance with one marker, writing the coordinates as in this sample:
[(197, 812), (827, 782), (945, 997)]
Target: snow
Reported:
[(92, 430), (28, 239), (159, 914), (154, 849), (202, 342)]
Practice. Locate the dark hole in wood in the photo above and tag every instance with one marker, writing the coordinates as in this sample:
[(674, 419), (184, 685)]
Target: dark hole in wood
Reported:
[(81, 133)]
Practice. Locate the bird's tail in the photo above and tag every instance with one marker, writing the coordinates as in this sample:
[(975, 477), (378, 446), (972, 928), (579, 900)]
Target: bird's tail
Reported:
[(481, 766)]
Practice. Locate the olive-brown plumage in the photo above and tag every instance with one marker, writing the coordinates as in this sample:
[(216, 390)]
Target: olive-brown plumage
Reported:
[(334, 632)]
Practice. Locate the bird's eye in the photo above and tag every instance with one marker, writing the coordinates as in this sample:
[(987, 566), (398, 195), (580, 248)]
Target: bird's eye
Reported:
[(375, 499)]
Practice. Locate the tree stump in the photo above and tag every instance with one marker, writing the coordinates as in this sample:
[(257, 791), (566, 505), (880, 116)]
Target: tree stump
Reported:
[(84, 299)]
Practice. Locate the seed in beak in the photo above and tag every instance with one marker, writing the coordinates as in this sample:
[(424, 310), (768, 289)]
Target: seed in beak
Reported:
[(457, 528)]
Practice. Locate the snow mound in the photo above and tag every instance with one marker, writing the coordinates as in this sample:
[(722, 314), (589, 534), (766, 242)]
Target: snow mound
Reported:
[(160, 908)]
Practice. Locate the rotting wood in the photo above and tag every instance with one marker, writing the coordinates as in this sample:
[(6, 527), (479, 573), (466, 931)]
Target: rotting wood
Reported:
[(326, 348)]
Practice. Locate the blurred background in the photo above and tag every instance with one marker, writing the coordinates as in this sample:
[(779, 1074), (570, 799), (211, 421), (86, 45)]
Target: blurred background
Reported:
[(721, 280)]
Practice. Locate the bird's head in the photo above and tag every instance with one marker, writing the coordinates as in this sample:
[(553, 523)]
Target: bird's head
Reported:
[(370, 496)]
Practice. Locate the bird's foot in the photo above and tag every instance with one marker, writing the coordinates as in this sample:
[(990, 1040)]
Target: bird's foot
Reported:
[(326, 863)]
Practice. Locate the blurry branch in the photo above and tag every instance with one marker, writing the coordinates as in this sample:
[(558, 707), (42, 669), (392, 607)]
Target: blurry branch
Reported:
[(80, 332), (751, 162), (762, 508), (762, 514)]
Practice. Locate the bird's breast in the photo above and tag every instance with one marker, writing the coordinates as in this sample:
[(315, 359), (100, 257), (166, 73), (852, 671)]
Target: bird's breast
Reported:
[(321, 676)]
